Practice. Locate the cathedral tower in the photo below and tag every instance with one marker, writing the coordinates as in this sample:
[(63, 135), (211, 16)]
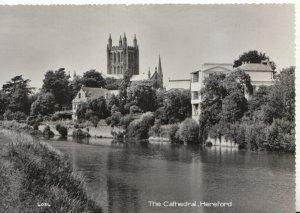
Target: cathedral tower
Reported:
[(122, 57)]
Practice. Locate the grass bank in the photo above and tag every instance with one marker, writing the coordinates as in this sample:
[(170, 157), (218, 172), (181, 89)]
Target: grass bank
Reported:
[(35, 177)]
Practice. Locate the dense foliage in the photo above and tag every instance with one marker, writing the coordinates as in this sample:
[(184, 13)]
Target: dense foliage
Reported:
[(265, 121)]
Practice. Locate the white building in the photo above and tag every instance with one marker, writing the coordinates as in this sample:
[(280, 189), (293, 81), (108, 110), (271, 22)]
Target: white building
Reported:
[(260, 74), (197, 79), (178, 84)]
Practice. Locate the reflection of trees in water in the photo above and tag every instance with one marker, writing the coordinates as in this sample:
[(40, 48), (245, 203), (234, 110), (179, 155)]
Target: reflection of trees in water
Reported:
[(122, 197)]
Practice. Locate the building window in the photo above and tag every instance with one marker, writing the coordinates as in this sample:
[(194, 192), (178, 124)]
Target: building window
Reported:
[(196, 77), (115, 57), (119, 58), (195, 95), (195, 109), (114, 70), (79, 96)]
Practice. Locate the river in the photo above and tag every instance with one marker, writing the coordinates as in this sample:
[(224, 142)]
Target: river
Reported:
[(122, 178)]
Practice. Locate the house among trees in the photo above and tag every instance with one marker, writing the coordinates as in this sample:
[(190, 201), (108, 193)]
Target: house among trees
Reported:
[(86, 94), (197, 79), (260, 74)]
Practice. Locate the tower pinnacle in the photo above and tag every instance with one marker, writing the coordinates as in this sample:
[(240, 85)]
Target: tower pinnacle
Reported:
[(159, 67)]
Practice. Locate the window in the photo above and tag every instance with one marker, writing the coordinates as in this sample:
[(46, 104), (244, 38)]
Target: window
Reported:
[(115, 57), (119, 58), (195, 95), (196, 77), (79, 96), (195, 109)]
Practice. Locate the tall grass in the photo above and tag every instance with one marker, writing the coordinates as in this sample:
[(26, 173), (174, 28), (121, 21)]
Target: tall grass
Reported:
[(34, 172)]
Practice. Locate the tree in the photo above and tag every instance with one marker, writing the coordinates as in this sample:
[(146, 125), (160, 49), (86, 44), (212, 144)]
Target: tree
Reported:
[(189, 131), (252, 56), (99, 108), (57, 83), (281, 98), (176, 105), (112, 83), (143, 96), (18, 91), (213, 93), (75, 85), (113, 101), (43, 105), (233, 107), (125, 83), (4, 101), (92, 78), (93, 111)]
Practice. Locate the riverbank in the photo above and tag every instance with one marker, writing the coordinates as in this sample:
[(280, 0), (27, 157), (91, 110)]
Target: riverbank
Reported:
[(35, 177)]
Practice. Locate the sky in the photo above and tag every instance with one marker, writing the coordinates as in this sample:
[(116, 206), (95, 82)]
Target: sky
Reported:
[(35, 39)]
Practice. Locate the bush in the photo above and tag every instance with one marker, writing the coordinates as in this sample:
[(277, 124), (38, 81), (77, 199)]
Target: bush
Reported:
[(189, 131), (47, 132), (63, 115), (18, 116), (79, 133), (155, 130), (174, 134), (39, 173), (63, 131), (125, 121), (139, 128), (135, 109)]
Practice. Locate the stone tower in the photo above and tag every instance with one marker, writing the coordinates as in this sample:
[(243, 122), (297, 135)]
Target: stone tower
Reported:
[(122, 57)]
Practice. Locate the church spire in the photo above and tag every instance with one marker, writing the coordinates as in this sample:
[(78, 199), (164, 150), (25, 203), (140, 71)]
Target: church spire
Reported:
[(109, 42), (159, 67), (134, 41), (124, 40), (149, 73)]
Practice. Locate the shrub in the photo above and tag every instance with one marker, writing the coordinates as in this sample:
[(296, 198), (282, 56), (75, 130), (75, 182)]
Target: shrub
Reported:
[(63, 131), (125, 121), (139, 128), (189, 131), (174, 135), (18, 116), (115, 118), (155, 130), (135, 109), (63, 115), (47, 132), (79, 133)]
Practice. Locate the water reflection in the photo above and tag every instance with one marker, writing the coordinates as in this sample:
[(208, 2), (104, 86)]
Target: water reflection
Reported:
[(124, 177)]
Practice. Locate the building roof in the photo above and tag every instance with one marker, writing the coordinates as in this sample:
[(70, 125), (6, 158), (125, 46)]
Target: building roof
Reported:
[(255, 67), (92, 92)]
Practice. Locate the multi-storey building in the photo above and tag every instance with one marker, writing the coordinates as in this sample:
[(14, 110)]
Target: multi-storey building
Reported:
[(260, 74), (197, 79)]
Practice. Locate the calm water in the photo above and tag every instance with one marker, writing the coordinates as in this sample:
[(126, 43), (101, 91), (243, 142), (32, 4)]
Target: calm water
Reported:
[(123, 178)]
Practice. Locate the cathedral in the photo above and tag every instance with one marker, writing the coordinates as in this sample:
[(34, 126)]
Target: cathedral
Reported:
[(124, 57)]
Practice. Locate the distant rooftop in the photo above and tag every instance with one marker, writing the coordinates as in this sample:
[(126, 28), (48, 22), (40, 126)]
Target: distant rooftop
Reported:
[(92, 92), (255, 67)]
